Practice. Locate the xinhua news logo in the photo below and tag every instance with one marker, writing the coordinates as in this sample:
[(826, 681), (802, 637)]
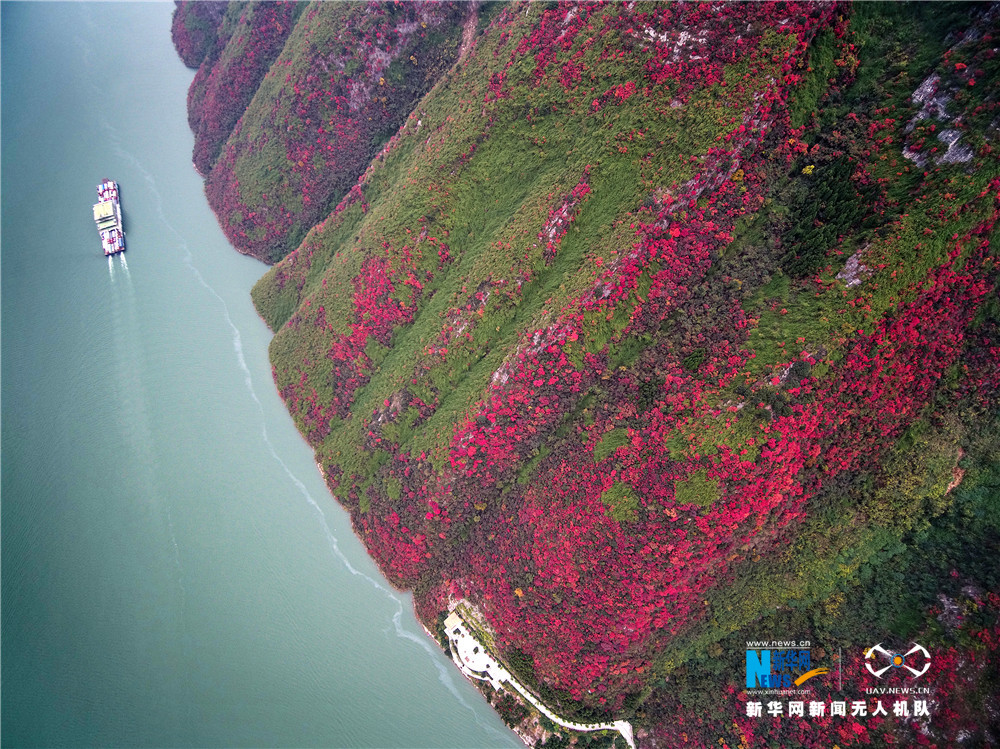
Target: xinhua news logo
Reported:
[(780, 667)]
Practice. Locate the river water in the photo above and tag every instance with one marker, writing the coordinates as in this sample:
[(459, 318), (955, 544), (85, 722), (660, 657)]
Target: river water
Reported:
[(174, 571)]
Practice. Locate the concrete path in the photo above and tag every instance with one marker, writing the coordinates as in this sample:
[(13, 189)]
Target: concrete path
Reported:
[(476, 663)]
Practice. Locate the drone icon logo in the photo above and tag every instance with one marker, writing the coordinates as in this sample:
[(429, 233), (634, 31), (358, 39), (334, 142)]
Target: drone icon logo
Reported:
[(898, 660)]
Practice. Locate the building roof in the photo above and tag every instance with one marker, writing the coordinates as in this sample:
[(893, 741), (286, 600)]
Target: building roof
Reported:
[(453, 620)]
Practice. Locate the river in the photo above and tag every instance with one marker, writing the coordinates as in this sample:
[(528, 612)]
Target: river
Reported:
[(174, 571)]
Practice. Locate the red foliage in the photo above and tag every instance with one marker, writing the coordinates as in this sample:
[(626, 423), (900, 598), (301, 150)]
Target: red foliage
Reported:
[(589, 590), (229, 86), (194, 27), (326, 120)]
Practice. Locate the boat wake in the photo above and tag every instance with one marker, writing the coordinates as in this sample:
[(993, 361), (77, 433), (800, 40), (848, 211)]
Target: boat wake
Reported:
[(127, 275), (143, 425), (128, 340)]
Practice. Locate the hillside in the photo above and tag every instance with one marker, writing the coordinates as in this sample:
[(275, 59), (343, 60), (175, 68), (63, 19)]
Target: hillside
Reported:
[(290, 103), (650, 330)]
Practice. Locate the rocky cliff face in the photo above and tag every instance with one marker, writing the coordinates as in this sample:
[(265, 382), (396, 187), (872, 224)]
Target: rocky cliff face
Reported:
[(624, 321)]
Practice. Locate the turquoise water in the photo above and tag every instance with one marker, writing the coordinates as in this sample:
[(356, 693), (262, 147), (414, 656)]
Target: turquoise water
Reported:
[(174, 571)]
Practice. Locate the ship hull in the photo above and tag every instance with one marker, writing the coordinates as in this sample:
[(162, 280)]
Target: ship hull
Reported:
[(108, 217)]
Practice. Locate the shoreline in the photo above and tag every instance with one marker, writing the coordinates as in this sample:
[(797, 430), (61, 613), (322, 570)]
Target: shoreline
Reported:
[(528, 741)]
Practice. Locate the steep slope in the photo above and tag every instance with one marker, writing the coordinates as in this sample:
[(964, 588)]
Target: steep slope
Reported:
[(629, 331), (195, 29), (250, 39), (282, 140)]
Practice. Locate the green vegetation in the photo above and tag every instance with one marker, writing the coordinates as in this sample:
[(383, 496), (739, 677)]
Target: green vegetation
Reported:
[(610, 441), (621, 502), (697, 489), (707, 293)]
